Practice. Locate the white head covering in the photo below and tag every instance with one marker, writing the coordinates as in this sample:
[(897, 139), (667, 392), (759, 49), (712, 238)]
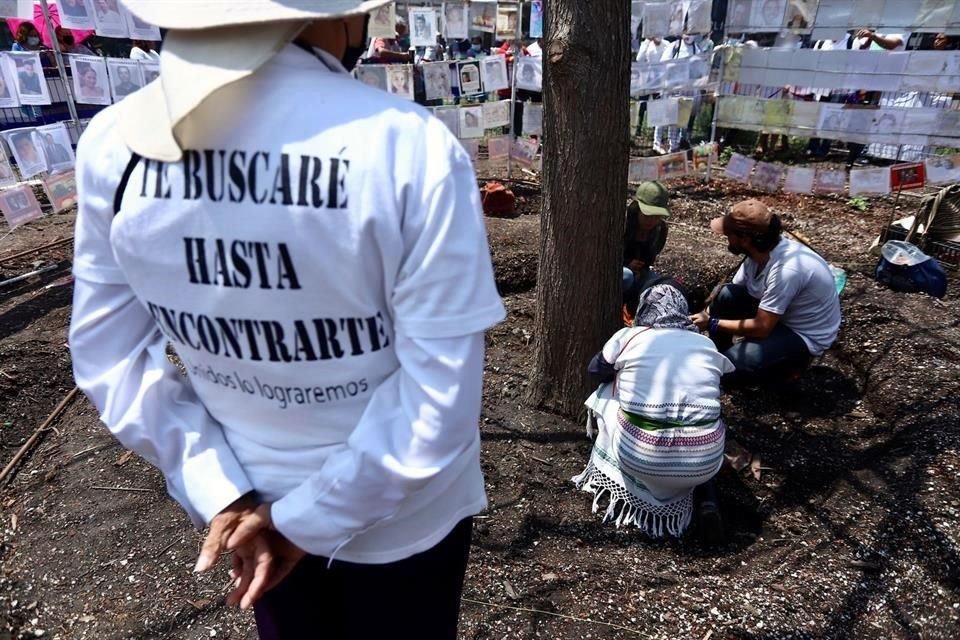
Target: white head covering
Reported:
[(211, 44)]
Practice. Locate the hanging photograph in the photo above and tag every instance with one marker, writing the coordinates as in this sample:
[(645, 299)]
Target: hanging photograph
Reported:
[(768, 15), (31, 85), (738, 15), (54, 141), (456, 20), (664, 112), (524, 152), (76, 14), (16, 8), (493, 73), (472, 147), (400, 80), (7, 176), (700, 16), (150, 71), (436, 80), (532, 119), (530, 74), (705, 156), (138, 29), (449, 116), (767, 176), (90, 83), (799, 180), (30, 160), (800, 15), (471, 122), (373, 75), (469, 74), (672, 166), (8, 87), (19, 206), (496, 113), (508, 21), (124, 76), (108, 20), (675, 28), (830, 181), (423, 27), (869, 181), (498, 147), (483, 16), (383, 22), (536, 19), (656, 19), (61, 190), (739, 167), (943, 169)]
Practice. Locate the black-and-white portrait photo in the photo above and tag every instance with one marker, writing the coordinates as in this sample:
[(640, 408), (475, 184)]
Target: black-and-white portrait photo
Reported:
[(90, 83), (124, 78), (436, 80), (423, 27), (494, 73)]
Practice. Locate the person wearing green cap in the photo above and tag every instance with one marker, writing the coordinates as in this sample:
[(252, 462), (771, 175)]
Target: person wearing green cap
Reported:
[(645, 235)]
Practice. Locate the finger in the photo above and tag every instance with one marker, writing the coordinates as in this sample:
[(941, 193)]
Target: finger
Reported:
[(263, 562), (215, 543), (245, 576), (249, 526)]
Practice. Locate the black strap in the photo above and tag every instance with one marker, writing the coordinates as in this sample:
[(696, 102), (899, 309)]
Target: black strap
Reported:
[(118, 196)]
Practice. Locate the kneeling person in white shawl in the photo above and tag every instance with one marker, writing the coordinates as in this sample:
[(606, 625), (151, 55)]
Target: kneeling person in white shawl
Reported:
[(658, 414)]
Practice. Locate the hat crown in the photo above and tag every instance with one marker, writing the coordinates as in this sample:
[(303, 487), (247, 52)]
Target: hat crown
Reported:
[(653, 194), (208, 14), (751, 215)]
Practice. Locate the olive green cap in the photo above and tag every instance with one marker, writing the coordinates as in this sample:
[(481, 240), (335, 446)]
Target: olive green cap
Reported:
[(653, 199)]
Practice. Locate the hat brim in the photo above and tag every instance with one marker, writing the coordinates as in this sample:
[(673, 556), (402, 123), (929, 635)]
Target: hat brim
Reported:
[(719, 225), (651, 210), (207, 14)]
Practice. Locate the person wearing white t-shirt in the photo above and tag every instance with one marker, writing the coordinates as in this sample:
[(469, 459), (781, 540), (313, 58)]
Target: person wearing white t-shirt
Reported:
[(783, 301), (315, 251)]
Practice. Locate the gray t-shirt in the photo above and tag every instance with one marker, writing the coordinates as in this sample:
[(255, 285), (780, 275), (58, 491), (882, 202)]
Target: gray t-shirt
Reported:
[(797, 285)]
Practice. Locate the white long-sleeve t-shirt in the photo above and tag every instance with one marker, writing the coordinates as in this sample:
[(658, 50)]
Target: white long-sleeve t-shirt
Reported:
[(319, 261)]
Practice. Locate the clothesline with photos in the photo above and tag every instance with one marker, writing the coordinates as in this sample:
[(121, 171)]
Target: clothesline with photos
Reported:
[(96, 80), (773, 176), (845, 69), (107, 18), (831, 19), (456, 20), (862, 124)]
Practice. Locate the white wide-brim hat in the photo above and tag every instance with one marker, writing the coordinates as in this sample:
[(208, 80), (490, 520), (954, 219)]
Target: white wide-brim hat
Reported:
[(208, 14), (210, 45)]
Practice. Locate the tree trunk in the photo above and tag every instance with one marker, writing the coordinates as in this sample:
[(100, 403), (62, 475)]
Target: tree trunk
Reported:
[(585, 154)]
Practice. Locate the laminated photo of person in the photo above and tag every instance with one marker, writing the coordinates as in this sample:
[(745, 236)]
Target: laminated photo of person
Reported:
[(28, 77), (74, 8), (124, 80), (29, 159), (8, 91), (89, 83)]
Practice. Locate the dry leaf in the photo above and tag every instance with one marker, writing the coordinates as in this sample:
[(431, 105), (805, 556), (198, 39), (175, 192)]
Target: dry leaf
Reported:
[(86, 619), (124, 459), (9, 503), (13, 521), (510, 592), (755, 466), (709, 635), (737, 456), (198, 604), (549, 577)]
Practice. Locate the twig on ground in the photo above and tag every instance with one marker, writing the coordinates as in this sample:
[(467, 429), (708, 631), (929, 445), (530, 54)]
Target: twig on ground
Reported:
[(33, 439), (165, 549), (136, 489), (556, 615)]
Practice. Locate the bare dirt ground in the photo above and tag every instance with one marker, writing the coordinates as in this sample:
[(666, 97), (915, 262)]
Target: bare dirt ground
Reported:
[(850, 530)]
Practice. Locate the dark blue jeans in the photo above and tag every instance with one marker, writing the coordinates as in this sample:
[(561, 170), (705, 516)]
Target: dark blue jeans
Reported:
[(778, 353)]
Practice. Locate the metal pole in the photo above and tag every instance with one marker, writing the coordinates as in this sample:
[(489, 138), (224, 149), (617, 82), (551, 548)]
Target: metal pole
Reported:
[(716, 103), (513, 104), (68, 86)]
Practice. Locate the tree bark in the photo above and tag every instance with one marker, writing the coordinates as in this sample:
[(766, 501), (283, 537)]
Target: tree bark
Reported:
[(586, 96)]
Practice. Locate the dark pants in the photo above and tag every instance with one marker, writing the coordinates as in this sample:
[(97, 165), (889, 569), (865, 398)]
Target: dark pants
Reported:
[(779, 352), (418, 597)]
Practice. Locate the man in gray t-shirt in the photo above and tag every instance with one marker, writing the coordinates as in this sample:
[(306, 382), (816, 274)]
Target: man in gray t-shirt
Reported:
[(783, 300)]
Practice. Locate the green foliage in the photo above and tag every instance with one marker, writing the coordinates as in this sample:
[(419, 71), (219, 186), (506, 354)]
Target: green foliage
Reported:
[(725, 154), (859, 203)]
